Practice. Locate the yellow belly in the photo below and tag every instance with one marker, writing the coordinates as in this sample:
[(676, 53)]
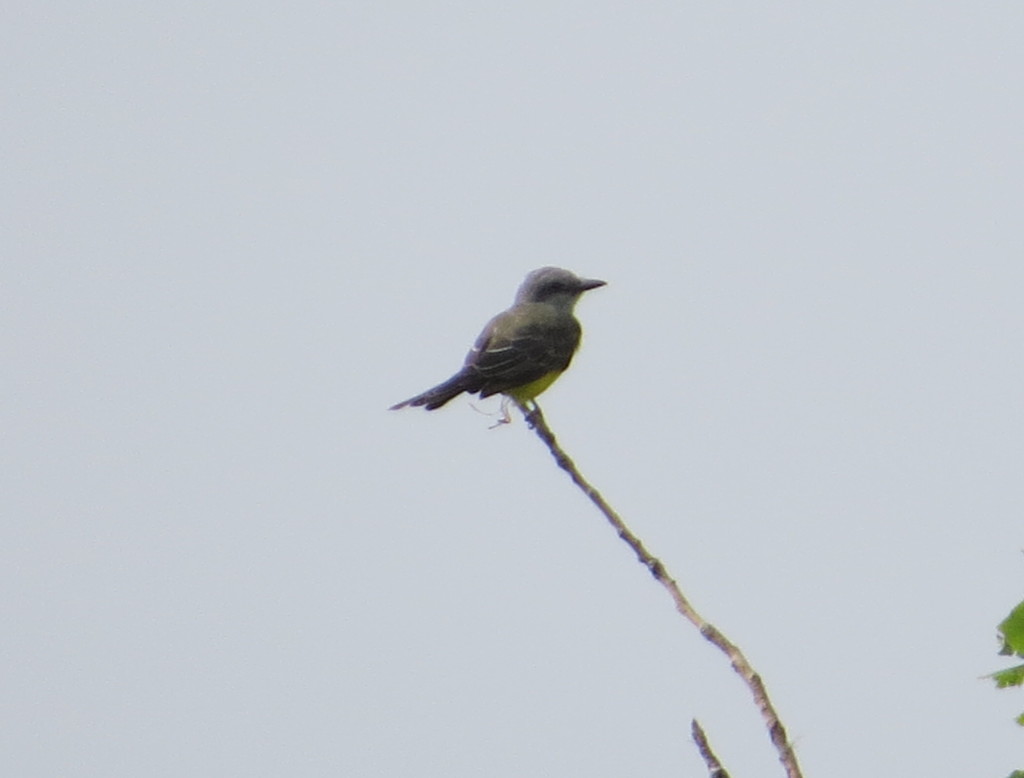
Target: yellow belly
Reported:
[(528, 391)]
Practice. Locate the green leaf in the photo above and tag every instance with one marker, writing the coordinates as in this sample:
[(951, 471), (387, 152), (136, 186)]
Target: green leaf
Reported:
[(1012, 630), (1011, 676), (1016, 774)]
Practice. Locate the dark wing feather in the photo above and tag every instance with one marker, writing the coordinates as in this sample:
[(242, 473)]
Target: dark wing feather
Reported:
[(522, 345), (517, 347)]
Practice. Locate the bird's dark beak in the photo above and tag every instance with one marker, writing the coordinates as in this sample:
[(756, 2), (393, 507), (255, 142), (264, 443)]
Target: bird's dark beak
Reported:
[(587, 284)]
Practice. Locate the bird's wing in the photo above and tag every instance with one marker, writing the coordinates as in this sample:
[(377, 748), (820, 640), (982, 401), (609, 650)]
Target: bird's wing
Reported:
[(520, 346)]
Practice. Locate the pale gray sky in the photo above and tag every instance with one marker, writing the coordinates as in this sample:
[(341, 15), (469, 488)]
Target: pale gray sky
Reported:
[(232, 236)]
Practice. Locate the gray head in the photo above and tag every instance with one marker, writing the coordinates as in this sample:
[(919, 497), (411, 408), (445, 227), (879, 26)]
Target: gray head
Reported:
[(554, 285)]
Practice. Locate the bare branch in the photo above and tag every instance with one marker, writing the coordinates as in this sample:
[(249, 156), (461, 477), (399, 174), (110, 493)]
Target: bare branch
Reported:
[(715, 769), (776, 731)]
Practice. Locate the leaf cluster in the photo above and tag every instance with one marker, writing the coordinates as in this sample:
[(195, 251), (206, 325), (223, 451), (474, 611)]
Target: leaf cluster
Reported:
[(1011, 633)]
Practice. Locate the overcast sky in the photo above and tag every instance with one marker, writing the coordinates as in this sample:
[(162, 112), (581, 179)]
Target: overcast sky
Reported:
[(233, 235)]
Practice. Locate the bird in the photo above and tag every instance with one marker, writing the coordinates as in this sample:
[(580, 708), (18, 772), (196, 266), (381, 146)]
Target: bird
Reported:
[(522, 350)]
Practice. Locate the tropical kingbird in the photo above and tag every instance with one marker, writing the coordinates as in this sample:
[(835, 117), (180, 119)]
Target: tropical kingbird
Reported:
[(524, 349)]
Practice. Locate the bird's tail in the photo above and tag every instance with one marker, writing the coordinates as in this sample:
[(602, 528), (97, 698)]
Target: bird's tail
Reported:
[(440, 394)]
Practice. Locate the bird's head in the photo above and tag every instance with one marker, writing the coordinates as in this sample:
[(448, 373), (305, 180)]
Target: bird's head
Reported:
[(554, 285)]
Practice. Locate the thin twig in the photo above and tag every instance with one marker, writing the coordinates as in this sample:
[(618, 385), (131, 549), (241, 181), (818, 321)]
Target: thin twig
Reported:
[(776, 731), (715, 769)]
